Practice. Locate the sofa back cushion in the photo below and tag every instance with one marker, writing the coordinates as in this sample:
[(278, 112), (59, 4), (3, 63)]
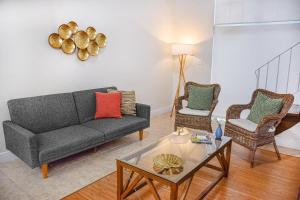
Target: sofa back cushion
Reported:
[(85, 101), (44, 113)]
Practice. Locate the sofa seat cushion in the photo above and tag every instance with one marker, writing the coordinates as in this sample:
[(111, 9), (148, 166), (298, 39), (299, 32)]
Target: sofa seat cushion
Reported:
[(246, 124), (189, 111), (113, 127), (60, 143)]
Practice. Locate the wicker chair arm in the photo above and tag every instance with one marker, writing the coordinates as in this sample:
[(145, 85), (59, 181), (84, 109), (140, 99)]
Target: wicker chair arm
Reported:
[(213, 106), (178, 103), (234, 111), (268, 122)]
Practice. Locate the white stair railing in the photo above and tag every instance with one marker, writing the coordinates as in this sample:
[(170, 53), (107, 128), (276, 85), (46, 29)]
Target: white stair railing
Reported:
[(281, 80)]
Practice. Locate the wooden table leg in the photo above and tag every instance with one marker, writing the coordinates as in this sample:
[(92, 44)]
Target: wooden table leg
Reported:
[(186, 189), (153, 189), (174, 192), (227, 158), (119, 181)]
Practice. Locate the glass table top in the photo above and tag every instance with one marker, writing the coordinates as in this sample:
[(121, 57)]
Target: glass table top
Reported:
[(192, 154)]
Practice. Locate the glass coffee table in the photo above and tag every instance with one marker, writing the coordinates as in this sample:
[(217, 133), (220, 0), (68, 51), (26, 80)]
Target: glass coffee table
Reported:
[(193, 156)]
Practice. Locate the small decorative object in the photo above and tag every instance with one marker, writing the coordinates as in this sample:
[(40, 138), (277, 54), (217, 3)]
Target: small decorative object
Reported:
[(218, 143), (181, 131), (219, 132), (68, 46), (69, 38), (55, 41), (167, 164), (83, 54), (181, 136), (201, 138)]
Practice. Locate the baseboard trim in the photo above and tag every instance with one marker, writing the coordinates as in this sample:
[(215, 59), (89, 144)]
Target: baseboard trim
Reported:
[(7, 156), (161, 110)]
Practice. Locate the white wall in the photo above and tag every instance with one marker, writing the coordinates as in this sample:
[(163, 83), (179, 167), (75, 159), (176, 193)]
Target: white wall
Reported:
[(137, 55), (194, 25), (238, 51)]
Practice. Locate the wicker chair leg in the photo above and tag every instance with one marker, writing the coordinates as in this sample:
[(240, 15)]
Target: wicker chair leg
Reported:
[(276, 150), (210, 129), (252, 155)]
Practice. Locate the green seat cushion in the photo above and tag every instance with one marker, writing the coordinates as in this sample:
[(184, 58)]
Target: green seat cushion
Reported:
[(200, 98), (263, 106)]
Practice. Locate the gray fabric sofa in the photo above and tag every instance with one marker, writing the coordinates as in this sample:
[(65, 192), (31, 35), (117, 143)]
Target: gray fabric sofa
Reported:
[(47, 128)]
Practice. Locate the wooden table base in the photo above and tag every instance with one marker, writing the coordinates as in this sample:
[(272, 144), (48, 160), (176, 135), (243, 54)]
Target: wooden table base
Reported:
[(139, 178)]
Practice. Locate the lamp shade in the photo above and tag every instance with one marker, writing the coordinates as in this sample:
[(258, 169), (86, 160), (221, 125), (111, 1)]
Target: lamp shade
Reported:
[(182, 49)]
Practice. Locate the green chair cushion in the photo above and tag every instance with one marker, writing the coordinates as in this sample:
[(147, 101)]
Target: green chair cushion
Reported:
[(200, 98), (263, 106)]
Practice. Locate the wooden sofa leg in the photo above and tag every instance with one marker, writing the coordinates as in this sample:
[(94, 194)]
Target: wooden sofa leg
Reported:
[(141, 134), (45, 170)]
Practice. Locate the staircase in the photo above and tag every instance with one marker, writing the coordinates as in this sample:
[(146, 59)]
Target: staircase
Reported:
[(282, 74)]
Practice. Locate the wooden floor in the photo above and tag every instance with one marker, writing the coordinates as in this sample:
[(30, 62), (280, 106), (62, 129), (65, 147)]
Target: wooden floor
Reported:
[(270, 179)]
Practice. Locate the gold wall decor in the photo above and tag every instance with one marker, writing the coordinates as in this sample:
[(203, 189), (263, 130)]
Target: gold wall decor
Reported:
[(93, 48), (83, 54), (74, 27), (68, 46), (91, 31), (81, 39), (101, 40), (69, 39), (55, 41), (64, 31)]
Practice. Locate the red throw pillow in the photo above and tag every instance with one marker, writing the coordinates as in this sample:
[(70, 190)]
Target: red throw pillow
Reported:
[(108, 105)]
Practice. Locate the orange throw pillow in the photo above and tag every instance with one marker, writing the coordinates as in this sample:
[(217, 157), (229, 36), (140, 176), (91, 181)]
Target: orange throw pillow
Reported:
[(108, 105)]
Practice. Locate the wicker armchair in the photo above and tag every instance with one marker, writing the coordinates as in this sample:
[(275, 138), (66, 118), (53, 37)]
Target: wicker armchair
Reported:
[(263, 133), (195, 121)]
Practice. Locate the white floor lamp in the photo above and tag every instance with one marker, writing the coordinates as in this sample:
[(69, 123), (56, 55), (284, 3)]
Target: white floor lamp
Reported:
[(180, 50)]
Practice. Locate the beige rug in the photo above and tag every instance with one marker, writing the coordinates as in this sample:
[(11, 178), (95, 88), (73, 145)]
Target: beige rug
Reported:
[(18, 181)]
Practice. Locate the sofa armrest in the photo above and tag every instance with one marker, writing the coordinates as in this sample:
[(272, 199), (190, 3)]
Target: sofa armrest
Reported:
[(143, 110), (22, 143)]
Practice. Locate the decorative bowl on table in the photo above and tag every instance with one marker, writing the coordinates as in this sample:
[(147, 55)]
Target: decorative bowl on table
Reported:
[(167, 164)]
